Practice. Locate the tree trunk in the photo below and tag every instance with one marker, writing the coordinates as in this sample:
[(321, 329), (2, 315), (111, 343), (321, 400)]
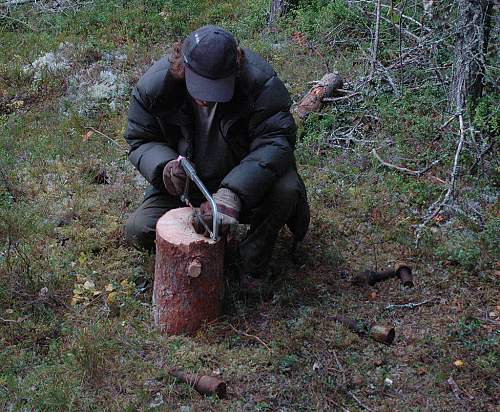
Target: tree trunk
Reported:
[(279, 8), (472, 30), (188, 285)]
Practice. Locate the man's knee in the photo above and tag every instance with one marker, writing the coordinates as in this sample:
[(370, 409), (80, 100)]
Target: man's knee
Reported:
[(287, 190), (139, 231)]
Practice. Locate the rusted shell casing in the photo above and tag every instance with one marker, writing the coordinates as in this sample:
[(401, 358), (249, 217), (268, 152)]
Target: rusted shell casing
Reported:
[(405, 275), (370, 277), (381, 333), (352, 324), (188, 287), (203, 384), (376, 277)]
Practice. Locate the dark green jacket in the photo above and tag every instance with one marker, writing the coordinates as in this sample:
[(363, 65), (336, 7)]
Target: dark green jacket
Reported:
[(256, 124)]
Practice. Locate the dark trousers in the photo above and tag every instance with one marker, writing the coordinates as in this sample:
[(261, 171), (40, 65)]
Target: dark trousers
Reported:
[(255, 251)]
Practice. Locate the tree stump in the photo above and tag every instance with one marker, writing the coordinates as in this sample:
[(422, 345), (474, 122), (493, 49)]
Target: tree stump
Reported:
[(188, 285)]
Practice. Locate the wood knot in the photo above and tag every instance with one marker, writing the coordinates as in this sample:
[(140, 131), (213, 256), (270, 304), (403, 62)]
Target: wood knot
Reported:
[(194, 268)]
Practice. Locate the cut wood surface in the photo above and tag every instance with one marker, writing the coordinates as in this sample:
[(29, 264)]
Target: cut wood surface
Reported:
[(188, 285)]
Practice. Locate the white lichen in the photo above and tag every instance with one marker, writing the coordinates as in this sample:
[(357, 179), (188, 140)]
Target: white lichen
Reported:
[(50, 62)]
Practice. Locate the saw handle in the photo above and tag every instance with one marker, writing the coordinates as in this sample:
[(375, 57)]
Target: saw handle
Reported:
[(191, 175)]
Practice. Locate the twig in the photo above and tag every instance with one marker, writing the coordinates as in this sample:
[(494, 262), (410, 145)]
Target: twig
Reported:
[(336, 99), (454, 387), (427, 29), (401, 79), (15, 320), (375, 40), (408, 33), (340, 367), (405, 169), (10, 3), (436, 207), (105, 136), (338, 405), (409, 305), (472, 170), (358, 401), (248, 335), (390, 80), (448, 121), (5, 16)]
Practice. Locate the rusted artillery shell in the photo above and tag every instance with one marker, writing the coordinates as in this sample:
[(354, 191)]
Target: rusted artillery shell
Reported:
[(405, 275), (381, 333), (376, 277), (370, 277), (350, 323), (204, 384)]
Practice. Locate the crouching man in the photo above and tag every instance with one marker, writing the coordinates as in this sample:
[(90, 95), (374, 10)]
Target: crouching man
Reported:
[(224, 108)]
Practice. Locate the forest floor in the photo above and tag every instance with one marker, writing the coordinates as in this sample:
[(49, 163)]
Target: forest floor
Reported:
[(75, 299)]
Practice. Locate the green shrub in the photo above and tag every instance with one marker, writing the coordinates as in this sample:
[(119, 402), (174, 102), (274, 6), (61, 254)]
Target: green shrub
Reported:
[(487, 115), (461, 249), (490, 236)]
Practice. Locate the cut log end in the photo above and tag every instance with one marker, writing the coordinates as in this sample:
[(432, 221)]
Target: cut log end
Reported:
[(177, 227)]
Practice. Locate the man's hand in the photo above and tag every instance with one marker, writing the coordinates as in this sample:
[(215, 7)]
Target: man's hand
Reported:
[(228, 207), (174, 177)]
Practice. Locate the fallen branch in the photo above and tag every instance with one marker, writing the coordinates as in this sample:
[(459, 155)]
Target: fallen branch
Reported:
[(313, 100), (397, 26), (404, 16), (15, 320), (336, 99), (410, 305), (405, 169), (4, 16), (438, 205), (248, 335), (10, 3)]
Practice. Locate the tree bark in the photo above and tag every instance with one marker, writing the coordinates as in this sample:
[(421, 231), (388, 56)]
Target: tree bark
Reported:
[(472, 30), (188, 285), (313, 100), (279, 8)]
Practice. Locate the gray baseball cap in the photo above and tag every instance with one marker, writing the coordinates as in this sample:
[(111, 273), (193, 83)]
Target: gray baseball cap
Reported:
[(210, 63)]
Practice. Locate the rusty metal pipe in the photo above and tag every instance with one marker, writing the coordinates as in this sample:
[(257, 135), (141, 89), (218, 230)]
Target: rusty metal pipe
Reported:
[(405, 275), (370, 277), (380, 333), (203, 384)]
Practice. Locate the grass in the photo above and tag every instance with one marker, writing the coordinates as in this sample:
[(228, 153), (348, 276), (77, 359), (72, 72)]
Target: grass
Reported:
[(75, 327)]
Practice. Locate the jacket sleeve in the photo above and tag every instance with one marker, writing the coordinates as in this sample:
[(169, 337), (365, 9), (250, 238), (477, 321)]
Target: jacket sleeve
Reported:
[(148, 151), (271, 129)]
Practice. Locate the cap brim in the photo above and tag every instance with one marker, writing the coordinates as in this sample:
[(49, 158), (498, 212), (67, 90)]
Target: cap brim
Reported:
[(210, 90)]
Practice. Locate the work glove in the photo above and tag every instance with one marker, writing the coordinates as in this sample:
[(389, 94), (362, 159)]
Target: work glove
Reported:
[(228, 208), (174, 177)]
